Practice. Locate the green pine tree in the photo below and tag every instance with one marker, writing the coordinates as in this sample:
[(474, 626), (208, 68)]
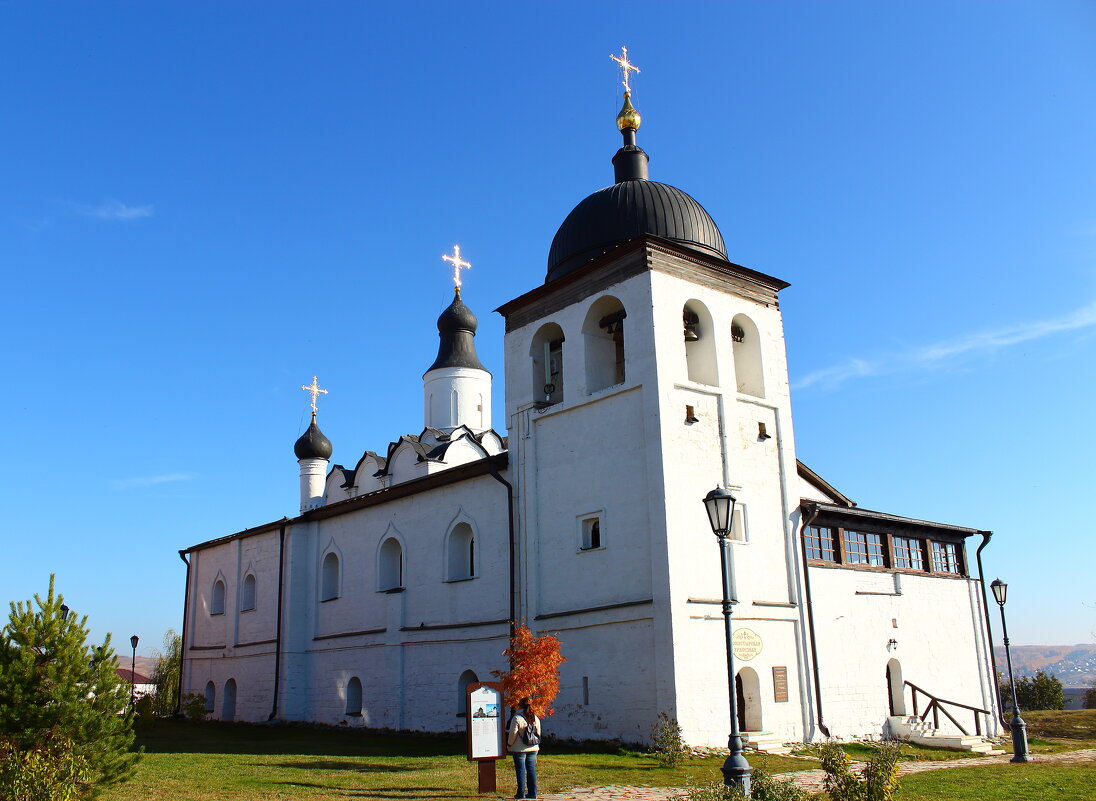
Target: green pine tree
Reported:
[(53, 684)]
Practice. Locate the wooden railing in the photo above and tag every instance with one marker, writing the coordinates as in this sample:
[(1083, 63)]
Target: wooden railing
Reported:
[(937, 705)]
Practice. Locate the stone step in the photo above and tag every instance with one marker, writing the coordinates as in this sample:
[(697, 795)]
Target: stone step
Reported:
[(764, 742), (955, 743)]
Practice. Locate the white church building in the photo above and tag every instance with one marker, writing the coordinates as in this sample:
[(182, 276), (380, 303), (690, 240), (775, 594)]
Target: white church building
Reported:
[(646, 369)]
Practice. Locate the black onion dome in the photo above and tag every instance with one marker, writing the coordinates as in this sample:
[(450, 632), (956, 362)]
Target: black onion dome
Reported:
[(457, 330), (624, 211), (313, 444), (457, 317)]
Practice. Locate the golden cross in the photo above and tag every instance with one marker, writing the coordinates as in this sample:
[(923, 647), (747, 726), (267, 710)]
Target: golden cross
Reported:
[(313, 390), (626, 66), (458, 264)]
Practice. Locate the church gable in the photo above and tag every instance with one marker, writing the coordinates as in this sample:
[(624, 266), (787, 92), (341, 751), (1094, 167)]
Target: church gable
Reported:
[(812, 487)]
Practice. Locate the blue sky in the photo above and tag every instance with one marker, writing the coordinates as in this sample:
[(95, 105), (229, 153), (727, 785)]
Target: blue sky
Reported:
[(204, 204)]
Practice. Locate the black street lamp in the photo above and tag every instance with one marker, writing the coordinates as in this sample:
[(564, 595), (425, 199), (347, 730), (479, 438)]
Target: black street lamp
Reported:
[(719, 503), (1019, 728), (133, 671)]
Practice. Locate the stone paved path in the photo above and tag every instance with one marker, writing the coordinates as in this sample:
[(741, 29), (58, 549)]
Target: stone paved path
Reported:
[(810, 780)]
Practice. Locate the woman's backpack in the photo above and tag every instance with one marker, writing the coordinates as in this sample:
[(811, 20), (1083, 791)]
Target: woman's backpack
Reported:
[(530, 736)]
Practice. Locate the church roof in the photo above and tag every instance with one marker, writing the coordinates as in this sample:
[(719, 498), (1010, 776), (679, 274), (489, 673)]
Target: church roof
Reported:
[(633, 206), (312, 443), (457, 330), (626, 210)]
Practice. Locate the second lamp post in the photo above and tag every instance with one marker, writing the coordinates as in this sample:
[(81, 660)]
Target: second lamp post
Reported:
[(719, 503), (1019, 728)]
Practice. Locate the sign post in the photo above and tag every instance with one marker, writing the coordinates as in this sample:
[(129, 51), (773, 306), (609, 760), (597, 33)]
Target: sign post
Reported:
[(485, 720)]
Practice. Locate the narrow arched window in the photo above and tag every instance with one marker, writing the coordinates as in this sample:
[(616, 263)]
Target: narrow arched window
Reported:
[(462, 552), (546, 354), (228, 705), (699, 343), (746, 342), (247, 593), (354, 696), (466, 678), (390, 567), (603, 333), (217, 601), (210, 697), (329, 582)]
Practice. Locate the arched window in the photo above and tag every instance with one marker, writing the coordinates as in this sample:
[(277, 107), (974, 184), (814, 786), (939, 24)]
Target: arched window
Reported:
[(546, 353), (217, 601), (390, 567), (329, 581), (699, 343), (462, 552), (354, 696), (247, 593), (228, 705), (603, 332), (466, 678), (210, 697), (747, 356)]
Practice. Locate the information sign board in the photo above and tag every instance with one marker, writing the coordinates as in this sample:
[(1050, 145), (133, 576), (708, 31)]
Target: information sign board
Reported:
[(486, 719)]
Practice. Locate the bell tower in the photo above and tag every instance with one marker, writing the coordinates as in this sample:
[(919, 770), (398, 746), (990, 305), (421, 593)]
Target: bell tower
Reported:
[(647, 369)]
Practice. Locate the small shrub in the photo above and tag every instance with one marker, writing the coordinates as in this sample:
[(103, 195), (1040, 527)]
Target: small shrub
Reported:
[(144, 711), (877, 781), (194, 707), (667, 744), (50, 770), (763, 787)]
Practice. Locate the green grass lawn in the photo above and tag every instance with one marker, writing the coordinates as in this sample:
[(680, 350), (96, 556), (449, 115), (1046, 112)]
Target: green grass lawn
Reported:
[(217, 762), (1030, 782), (207, 762)]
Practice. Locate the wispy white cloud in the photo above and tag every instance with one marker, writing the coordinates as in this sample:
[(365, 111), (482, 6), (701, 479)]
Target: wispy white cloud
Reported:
[(151, 481), (943, 353), (111, 209)]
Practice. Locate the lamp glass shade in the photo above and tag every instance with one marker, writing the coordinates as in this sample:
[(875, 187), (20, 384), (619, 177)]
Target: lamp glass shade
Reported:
[(999, 589), (719, 504), (133, 640)]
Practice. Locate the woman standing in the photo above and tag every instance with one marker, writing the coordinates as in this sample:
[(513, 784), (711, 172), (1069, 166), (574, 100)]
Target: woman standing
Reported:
[(524, 743)]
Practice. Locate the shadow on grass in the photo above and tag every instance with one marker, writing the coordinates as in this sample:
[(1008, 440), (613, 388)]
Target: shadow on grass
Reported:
[(379, 792), (185, 737), (349, 767)]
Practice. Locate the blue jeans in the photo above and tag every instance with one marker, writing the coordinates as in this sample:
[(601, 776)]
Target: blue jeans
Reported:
[(525, 766)]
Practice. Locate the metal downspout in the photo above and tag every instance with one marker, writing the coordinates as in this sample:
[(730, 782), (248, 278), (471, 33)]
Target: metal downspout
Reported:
[(182, 638), (810, 617), (986, 535), (278, 625), (510, 520)]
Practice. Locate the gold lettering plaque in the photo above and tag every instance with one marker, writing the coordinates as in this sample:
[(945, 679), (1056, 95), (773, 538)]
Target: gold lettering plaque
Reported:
[(780, 684), (746, 644)]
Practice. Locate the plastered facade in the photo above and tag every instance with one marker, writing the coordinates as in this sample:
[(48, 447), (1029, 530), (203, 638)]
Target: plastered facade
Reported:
[(636, 599)]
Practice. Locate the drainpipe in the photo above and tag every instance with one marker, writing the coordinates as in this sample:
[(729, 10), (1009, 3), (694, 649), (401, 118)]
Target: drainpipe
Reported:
[(813, 509), (986, 535), (182, 639), (278, 625), (510, 510)]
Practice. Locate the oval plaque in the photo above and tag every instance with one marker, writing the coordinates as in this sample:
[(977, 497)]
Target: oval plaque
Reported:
[(746, 644)]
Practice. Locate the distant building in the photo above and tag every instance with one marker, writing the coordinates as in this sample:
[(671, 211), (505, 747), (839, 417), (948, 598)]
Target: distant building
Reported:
[(646, 369), (142, 684)]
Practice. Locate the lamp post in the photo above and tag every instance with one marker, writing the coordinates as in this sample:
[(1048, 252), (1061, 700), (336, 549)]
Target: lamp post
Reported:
[(719, 503), (1019, 728), (133, 671)]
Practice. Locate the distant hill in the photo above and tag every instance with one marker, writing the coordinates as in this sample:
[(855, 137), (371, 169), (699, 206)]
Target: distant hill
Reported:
[(1074, 665), (147, 664)]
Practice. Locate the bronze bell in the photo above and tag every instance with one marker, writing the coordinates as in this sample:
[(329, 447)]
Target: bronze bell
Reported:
[(691, 321)]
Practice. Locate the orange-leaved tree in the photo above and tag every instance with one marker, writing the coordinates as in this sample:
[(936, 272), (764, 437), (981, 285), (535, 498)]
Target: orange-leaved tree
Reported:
[(534, 671)]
